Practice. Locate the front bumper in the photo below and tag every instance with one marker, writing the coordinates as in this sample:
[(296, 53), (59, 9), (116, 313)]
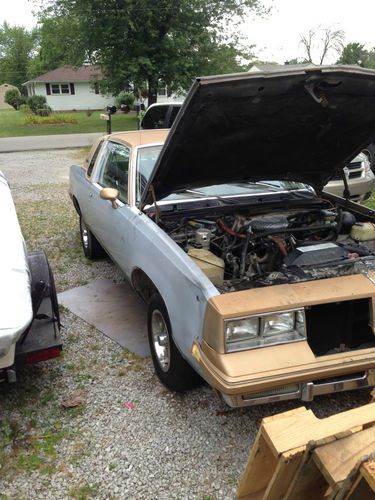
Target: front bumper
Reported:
[(305, 391), (291, 370), (328, 375)]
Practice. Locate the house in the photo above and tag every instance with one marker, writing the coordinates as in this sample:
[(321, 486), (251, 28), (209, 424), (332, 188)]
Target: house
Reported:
[(69, 88), (165, 96), (3, 89)]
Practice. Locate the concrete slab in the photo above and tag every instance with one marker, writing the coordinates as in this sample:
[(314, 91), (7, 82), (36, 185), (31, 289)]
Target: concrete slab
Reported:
[(114, 309), (40, 142)]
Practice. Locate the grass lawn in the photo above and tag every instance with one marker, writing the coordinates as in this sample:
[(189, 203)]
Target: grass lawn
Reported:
[(12, 124), (371, 201)]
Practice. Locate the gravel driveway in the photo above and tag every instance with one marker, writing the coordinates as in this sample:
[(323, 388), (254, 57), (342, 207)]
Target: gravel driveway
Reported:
[(132, 438)]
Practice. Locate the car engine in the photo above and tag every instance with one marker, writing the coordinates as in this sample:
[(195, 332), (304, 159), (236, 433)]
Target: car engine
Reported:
[(241, 251)]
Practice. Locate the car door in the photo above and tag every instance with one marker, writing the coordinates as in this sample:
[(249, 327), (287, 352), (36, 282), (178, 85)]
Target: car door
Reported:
[(112, 226)]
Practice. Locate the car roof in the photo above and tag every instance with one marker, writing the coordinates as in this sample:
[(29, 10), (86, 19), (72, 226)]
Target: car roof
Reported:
[(159, 104), (140, 137)]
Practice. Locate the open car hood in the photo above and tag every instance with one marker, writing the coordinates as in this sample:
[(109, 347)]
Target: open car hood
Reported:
[(300, 125)]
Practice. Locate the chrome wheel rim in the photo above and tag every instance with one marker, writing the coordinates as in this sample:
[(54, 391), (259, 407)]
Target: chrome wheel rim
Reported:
[(160, 340), (84, 235)]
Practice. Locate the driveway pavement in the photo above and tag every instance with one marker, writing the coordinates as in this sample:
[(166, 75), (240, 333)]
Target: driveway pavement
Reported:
[(39, 142)]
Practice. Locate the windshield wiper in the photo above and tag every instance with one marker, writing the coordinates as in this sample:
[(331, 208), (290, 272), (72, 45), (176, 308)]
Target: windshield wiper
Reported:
[(205, 195), (271, 187)]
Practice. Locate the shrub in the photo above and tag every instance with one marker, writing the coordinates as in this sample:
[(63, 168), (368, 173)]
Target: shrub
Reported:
[(36, 102), (53, 119), (44, 111), (24, 108), (125, 98), (14, 98)]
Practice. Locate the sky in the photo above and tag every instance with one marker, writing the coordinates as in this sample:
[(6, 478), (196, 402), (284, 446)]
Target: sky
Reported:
[(275, 35)]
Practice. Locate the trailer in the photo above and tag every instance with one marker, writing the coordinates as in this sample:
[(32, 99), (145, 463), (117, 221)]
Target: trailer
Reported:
[(29, 313)]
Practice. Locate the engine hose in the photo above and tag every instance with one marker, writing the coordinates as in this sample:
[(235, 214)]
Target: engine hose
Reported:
[(280, 244), (339, 223), (229, 230), (243, 255)]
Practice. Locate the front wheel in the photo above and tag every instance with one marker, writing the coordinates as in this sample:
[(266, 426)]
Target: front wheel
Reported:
[(171, 368), (90, 245)]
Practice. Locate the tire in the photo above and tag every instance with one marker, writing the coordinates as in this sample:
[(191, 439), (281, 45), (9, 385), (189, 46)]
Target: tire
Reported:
[(90, 245), (369, 151), (171, 368), (41, 271)]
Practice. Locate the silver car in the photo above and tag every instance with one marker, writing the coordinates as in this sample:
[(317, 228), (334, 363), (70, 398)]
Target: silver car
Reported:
[(260, 285), (361, 180)]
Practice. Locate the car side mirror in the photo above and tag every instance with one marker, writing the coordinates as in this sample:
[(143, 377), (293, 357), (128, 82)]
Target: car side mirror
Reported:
[(110, 194)]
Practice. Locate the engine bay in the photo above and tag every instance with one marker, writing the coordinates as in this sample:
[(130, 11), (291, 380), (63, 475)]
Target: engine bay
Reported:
[(239, 250)]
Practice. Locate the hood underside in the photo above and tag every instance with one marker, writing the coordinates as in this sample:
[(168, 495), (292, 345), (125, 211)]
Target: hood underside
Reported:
[(300, 125)]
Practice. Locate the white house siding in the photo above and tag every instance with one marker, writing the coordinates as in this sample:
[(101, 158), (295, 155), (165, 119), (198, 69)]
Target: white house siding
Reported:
[(84, 97)]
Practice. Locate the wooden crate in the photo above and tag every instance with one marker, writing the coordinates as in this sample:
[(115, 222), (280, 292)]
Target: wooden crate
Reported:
[(298, 456)]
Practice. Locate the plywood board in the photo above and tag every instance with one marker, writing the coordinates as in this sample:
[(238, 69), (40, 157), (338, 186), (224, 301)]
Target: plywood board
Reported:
[(297, 430), (112, 308), (337, 459)]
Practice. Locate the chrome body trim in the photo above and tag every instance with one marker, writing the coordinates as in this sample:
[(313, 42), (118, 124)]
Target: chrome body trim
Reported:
[(306, 392)]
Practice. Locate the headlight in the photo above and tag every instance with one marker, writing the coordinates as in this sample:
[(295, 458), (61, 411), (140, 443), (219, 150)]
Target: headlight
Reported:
[(266, 329), (241, 330), (367, 165), (277, 323)]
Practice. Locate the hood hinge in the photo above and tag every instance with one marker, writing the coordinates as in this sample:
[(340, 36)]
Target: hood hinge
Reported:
[(156, 214)]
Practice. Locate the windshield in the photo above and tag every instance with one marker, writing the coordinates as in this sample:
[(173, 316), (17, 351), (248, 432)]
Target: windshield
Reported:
[(148, 155)]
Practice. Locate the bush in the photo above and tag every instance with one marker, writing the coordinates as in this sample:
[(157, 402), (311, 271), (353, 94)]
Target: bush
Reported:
[(125, 98), (14, 98), (44, 111), (24, 108), (36, 102)]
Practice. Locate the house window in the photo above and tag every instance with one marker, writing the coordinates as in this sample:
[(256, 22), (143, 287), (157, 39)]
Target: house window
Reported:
[(60, 88), (162, 91)]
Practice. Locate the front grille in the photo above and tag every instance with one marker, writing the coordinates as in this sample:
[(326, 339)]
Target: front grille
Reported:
[(355, 171), (355, 175), (281, 390), (339, 327)]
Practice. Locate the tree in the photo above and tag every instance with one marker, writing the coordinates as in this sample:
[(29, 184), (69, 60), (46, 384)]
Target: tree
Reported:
[(17, 47), (56, 45), (147, 42), (354, 53), (319, 42)]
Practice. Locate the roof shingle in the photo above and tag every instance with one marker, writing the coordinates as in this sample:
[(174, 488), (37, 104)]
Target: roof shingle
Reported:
[(68, 74)]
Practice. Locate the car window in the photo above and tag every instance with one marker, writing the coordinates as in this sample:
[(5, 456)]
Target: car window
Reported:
[(155, 117), (146, 160), (114, 169), (174, 113), (93, 159)]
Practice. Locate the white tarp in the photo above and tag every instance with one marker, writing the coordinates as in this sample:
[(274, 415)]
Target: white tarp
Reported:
[(15, 296)]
